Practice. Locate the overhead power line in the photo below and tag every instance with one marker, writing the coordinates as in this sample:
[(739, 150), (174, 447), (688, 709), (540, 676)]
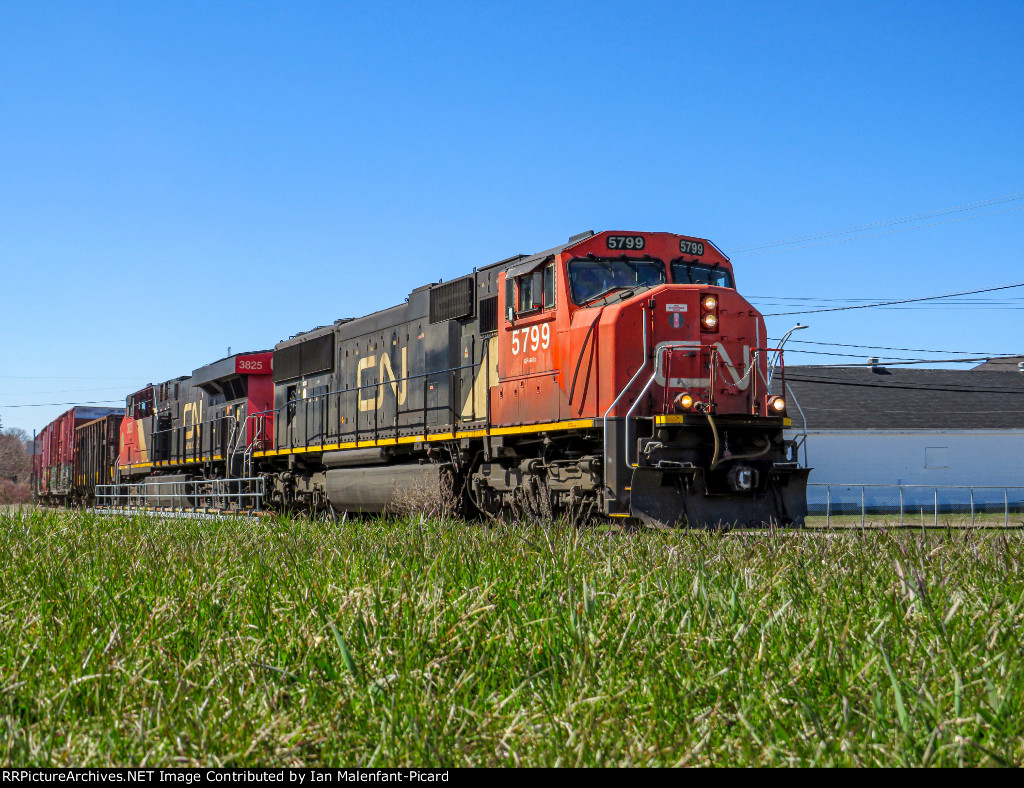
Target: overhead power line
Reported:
[(899, 301), (885, 223), (890, 361), (54, 404), (66, 377), (869, 300), (875, 235), (64, 391), (901, 349), (1002, 390)]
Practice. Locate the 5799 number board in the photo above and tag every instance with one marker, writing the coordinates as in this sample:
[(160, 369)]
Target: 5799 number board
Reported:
[(625, 242)]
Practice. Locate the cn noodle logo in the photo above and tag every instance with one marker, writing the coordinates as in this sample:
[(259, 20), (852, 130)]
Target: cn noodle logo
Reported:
[(739, 379)]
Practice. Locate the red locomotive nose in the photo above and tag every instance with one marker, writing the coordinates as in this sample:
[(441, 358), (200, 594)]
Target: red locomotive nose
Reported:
[(702, 343)]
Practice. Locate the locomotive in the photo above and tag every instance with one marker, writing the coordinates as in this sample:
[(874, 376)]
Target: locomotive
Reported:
[(619, 375)]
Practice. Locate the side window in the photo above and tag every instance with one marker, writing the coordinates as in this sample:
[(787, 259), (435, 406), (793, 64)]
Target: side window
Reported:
[(525, 303), (291, 394), (549, 286)]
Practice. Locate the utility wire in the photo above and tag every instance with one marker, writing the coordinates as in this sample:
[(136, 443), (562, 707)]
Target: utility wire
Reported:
[(65, 377), (832, 300), (875, 235), (900, 301), (888, 359), (884, 223), (954, 389), (902, 349), (52, 404), (64, 391)]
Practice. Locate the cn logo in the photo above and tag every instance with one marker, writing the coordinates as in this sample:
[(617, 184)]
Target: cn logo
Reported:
[(692, 348), (372, 400)]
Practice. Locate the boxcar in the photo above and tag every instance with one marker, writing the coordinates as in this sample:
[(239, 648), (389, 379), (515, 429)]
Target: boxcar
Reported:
[(97, 448), (58, 447)]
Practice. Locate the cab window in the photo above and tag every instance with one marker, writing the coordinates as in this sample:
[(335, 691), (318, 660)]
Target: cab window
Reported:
[(549, 286), (593, 278), (525, 303), (684, 273), (140, 404)]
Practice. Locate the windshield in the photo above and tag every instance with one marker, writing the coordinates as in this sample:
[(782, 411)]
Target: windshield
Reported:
[(699, 274), (590, 279)]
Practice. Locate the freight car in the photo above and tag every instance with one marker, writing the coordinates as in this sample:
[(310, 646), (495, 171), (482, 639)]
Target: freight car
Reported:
[(76, 451), (620, 374)]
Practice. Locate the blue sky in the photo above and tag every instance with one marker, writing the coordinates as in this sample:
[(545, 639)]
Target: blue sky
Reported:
[(179, 178)]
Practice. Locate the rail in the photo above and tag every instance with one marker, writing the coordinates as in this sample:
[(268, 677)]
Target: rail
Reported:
[(922, 505)]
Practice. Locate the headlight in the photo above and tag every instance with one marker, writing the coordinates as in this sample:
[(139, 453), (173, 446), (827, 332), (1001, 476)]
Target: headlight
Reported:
[(777, 405), (710, 302), (710, 320), (683, 401)]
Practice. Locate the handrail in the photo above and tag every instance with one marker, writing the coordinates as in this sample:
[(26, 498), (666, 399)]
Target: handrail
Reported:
[(657, 362), (377, 385), (606, 457), (241, 493)]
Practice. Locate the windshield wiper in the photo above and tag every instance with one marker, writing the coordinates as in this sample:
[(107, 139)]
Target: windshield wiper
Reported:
[(603, 293)]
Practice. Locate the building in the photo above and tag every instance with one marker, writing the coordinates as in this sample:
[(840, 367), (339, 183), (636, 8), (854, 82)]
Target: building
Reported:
[(1004, 364), (878, 425)]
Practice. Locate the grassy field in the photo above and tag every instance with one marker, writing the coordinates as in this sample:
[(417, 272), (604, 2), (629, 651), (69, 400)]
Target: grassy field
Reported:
[(128, 641)]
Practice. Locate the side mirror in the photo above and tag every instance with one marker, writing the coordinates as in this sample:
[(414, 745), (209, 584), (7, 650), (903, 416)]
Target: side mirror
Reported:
[(510, 300)]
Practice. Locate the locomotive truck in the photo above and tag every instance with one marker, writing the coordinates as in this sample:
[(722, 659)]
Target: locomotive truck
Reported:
[(620, 374)]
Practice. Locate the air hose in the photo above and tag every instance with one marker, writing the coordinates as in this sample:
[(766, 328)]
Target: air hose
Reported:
[(718, 458), (715, 459)]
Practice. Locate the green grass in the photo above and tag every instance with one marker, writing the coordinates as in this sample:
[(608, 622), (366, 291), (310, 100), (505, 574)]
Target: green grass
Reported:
[(127, 641)]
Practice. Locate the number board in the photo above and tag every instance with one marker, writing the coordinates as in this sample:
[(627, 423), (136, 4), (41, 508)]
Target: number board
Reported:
[(691, 247), (253, 365), (625, 242)]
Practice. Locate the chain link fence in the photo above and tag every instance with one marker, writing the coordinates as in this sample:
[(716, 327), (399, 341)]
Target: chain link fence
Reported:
[(914, 505)]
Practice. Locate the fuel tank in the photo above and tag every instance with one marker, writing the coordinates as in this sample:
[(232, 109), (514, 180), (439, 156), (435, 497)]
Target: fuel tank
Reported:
[(374, 489)]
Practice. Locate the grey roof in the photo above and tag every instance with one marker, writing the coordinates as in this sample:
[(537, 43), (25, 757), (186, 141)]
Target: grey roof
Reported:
[(893, 398), (527, 264), (1004, 364), (218, 370)]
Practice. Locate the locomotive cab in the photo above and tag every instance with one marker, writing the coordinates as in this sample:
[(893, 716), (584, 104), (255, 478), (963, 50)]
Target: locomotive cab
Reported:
[(646, 335)]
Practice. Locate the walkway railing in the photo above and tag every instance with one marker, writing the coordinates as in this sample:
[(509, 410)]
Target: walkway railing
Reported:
[(208, 496), (915, 504)]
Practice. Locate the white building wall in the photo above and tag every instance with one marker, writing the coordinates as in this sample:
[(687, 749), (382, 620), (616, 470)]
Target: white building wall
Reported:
[(954, 457)]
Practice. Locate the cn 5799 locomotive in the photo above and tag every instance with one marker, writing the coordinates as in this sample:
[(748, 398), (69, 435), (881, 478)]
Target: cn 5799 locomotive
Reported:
[(620, 374)]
